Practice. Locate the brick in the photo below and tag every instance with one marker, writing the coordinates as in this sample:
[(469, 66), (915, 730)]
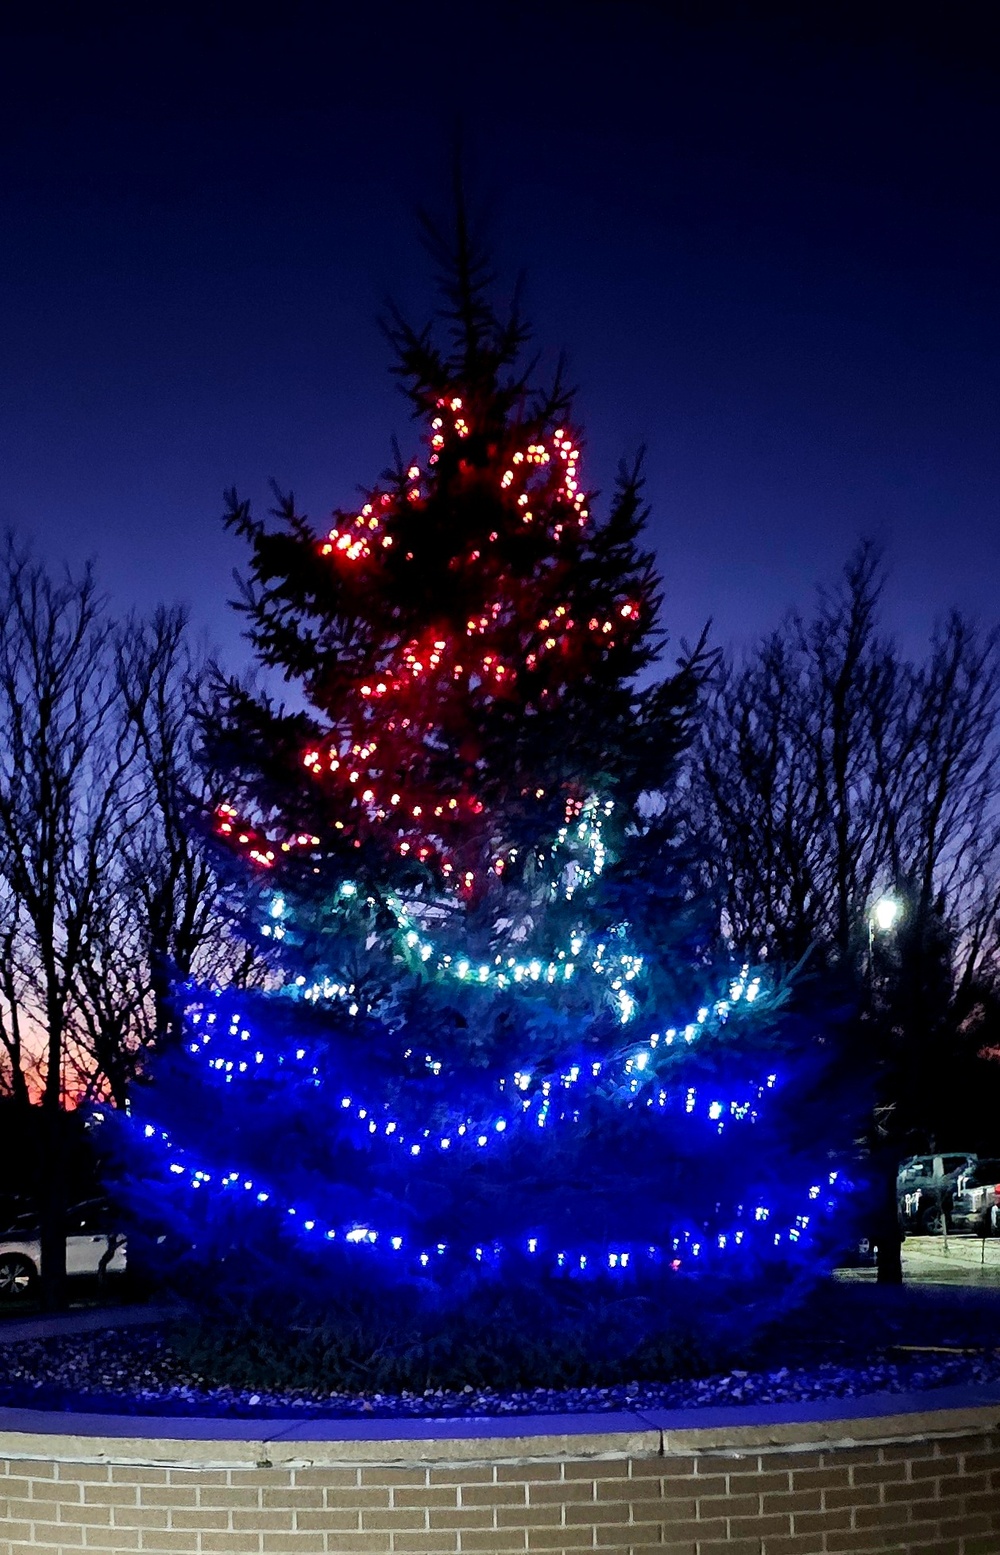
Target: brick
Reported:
[(789, 1544), (667, 1467), (978, 1441), (426, 1543), (334, 1522), (326, 1479), (759, 1527), (761, 1483), (274, 1497), (606, 1514), (205, 1517), (644, 1537), (729, 1547), (305, 1543), (15, 1509), (908, 1452), (462, 1476), (554, 1492), (463, 1517), (174, 1495), (62, 1533), (560, 1539), (403, 1518), (138, 1474), (698, 1532), (548, 1516), (376, 1476), (675, 1509), (18, 1485), (963, 1484), (351, 1496), (854, 1495), (144, 1516), (684, 1547), (981, 1501), (703, 1485), (880, 1517), (17, 1534), (796, 1500), (224, 1543), (111, 1495), (979, 1461), (160, 1543), (830, 1521), (571, 1470), (933, 1468), (55, 1490), (493, 1542), (114, 1539), (847, 1544), (979, 1522), (253, 1520), (878, 1474), (646, 1492), (793, 1460), (352, 1543), (727, 1506), (428, 1495), (902, 1491), (494, 1495), (96, 1516)]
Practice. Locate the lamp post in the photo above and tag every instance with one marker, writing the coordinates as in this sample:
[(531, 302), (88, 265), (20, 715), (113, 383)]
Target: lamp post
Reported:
[(883, 916)]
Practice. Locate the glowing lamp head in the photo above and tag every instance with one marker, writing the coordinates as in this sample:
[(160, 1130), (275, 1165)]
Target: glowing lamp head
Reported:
[(886, 913)]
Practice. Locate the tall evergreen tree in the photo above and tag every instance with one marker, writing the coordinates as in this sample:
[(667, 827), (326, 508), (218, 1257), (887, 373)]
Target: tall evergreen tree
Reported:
[(473, 1085)]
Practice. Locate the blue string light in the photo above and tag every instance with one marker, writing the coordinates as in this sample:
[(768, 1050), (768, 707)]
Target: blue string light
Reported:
[(615, 1259)]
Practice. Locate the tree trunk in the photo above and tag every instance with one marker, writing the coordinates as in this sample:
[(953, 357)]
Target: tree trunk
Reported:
[(52, 1208), (888, 1238)]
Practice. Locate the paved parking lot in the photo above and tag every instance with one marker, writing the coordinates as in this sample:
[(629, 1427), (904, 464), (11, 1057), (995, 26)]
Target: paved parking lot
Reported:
[(936, 1260)]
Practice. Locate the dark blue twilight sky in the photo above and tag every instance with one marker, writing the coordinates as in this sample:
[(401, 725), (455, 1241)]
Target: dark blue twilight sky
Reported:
[(770, 247)]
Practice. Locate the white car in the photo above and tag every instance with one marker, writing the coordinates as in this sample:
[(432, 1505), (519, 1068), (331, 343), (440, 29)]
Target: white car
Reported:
[(88, 1241)]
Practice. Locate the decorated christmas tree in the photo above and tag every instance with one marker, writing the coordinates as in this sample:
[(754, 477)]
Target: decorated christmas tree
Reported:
[(500, 1097)]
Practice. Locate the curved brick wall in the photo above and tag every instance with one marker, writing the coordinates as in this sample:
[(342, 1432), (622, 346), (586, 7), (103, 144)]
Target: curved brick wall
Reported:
[(899, 1484)]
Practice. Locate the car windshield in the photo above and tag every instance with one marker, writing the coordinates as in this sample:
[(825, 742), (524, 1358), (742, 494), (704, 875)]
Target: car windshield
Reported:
[(985, 1173)]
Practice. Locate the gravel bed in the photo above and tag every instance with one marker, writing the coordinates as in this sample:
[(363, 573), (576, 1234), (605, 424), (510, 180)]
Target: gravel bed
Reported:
[(133, 1371)]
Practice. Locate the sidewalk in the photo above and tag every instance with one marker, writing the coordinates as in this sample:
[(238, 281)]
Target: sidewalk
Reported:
[(85, 1320), (937, 1260)]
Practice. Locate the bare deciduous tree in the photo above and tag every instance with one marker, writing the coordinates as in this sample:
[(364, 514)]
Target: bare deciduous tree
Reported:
[(829, 768), (107, 890), (67, 799)]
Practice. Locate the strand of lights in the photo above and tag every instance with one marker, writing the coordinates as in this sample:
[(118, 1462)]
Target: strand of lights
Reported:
[(617, 1259), (531, 1099), (544, 470), (581, 831)]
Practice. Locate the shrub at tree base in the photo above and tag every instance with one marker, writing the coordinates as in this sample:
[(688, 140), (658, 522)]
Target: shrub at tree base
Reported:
[(502, 1116)]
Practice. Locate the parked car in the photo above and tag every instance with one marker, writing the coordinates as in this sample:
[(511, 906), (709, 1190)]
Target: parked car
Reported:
[(925, 1188), (90, 1237), (976, 1205)]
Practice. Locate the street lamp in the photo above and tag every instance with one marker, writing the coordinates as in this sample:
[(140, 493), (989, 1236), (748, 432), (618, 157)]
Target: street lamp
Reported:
[(884, 914)]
